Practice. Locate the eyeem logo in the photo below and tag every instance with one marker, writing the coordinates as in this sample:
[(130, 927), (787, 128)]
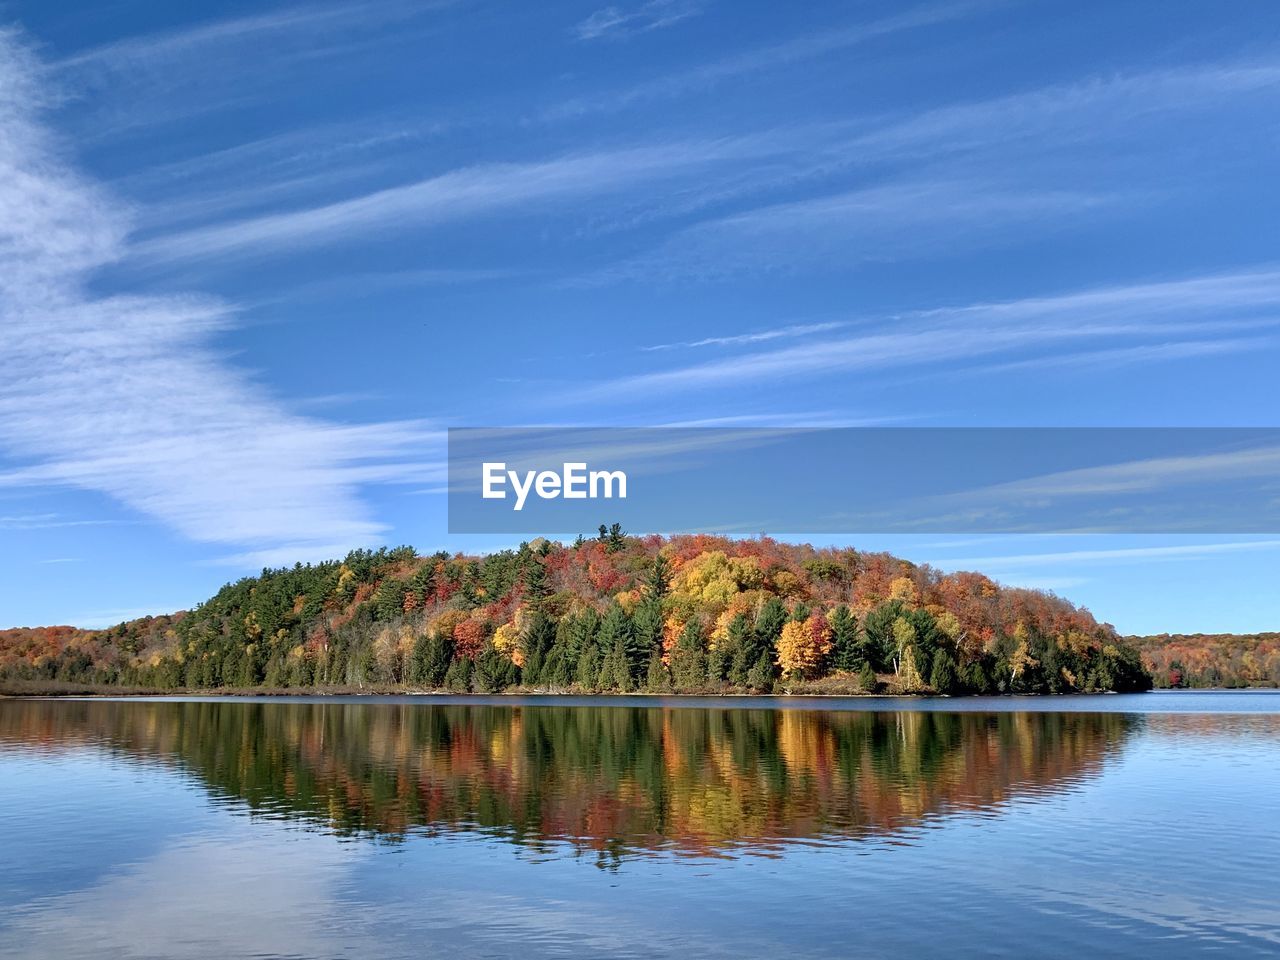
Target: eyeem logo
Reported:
[(574, 482)]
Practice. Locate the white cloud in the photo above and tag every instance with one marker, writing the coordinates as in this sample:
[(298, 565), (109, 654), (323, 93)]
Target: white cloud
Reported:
[(760, 336), (1139, 476), (1139, 312), (127, 395), (1190, 551), (887, 222), (213, 64), (47, 521), (1062, 114), (174, 46), (976, 172), (449, 197), (615, 23), (773, 56)]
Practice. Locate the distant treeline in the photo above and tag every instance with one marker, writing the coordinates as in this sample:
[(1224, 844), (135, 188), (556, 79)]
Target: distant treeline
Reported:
[(612, 613), (1211, 659)]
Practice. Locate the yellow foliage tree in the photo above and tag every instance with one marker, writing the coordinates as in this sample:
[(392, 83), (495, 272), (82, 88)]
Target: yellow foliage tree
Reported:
[(506, 640), (804, 645), (628, 600), (909, 677), (711, 580), (904, 589), (444, 624)]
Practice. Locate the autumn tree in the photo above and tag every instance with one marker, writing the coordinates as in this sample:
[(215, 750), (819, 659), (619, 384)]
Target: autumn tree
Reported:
[(804, 645)]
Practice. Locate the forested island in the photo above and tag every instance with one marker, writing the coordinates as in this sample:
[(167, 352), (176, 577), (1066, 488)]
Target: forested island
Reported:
[(609, 614)]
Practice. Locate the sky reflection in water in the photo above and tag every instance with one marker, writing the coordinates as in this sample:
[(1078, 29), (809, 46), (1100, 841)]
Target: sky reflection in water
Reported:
[(227, 828)]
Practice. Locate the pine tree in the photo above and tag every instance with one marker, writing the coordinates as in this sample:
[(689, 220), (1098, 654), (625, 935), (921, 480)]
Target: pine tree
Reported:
[(587, 673), (976, 677), (760, 676), (458, 677), (614, 672), (739, 648), (657, 680), (613, 636), (879, 644), (943, 675), (659, 577), (846, 650), (493, 671), (763, 639), (539, 635), (645, 635), (867, 678), (688, 660)]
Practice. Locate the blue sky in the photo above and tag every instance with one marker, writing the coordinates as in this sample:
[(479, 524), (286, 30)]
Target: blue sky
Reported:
[(254, 259)]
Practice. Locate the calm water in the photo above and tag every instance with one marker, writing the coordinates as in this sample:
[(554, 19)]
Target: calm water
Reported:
[(409, 827)]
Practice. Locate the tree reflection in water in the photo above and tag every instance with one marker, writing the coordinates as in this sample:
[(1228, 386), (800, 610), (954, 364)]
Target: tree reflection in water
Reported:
[(613, 780)]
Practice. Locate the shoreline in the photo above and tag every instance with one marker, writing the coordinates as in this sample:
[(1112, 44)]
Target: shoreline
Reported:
[(47, 691)]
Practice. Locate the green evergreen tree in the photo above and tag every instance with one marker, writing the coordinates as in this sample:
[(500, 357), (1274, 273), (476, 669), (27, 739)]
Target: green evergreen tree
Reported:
[(615, 674), (458, 676), (880, 645), (976, 677), (846, 646), (739, 650), (657, 680), (430, 659), (943, 676), (644, 636), (587, 674), (493, 671), (659, 576), (867, 678), (688, 659), (761, 676), (614, 636), (539, 635), (762, 641)]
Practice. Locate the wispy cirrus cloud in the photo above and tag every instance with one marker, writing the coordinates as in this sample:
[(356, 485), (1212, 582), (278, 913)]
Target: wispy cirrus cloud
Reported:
[(1063, 114), (1139, 476), (49, 521), (128, 396), (159, 77), (887, 222), (977, 171), (759, 336), (291, 166), (1185, 551), (452, 196), (140, 53), (960, 181), (1137, 317), (773, 56), (615, 23)]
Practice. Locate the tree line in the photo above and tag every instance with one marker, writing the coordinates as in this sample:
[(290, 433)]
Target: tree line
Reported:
[(612, 613)]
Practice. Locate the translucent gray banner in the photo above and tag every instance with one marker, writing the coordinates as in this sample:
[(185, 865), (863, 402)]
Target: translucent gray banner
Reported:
[(865, 480)]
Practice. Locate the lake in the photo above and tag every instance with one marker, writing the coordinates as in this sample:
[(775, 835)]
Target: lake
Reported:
[(1111, 826)]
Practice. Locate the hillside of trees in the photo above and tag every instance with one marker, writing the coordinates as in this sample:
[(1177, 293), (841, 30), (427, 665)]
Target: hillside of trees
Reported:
[(1211, 660), (613, 613)]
